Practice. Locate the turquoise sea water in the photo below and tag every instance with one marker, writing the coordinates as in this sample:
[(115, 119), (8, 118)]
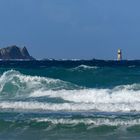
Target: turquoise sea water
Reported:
[(69, 102)]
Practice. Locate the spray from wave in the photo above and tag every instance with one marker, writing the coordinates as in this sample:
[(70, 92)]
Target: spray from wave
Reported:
[(13, 84)]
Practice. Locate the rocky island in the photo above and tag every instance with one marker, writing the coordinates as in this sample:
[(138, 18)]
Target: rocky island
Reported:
[(15, 53)]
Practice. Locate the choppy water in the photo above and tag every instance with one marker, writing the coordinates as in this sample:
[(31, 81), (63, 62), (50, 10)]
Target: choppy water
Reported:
[(80, 102)]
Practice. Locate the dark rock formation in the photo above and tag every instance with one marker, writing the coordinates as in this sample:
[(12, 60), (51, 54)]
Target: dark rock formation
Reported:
[(14, 52)]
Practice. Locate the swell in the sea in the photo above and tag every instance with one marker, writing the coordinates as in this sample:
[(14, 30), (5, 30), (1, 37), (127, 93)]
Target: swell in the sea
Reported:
[(49, 106), (22, 92)]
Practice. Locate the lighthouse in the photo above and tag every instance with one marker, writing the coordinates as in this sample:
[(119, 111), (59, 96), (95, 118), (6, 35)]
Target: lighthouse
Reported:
[(119, 55)]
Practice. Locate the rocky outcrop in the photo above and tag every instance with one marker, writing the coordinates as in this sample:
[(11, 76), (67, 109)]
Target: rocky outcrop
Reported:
[(14, 52)]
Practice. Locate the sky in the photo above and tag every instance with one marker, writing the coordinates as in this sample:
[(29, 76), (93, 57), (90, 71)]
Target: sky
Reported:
[(72, 29)]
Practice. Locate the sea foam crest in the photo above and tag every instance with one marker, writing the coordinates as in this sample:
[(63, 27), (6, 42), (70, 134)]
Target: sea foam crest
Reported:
[(90, 107), (13, 82), (86, 67), (92, 121), (125, 98), (116, 95)]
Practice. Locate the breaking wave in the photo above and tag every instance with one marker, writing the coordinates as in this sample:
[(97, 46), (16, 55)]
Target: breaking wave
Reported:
[(13, 83), (116, 95), (124, 98), (83, 123), (92, 121), (94, 107), (86, 67)]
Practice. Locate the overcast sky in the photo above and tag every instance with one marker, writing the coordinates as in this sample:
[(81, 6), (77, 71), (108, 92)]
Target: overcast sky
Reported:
[(69, 29)]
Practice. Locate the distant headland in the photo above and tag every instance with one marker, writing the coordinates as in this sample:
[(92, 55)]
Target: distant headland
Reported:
[(15, 53), (14, 56)]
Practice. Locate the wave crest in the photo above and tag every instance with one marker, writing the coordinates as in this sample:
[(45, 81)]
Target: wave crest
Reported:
[(124, 98), (86, 67), (14, 83), (125, 94)]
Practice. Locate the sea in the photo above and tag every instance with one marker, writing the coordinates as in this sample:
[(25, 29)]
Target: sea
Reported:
[(70, 100)]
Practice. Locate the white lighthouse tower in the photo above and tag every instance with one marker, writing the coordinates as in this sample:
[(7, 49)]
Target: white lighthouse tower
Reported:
[(119, 55)]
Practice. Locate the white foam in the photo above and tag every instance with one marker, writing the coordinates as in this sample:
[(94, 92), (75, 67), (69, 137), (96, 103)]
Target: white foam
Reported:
[(26, 83), (86, 67), (93, 95), (122, 98), (92, 121), (8, 75), (39, 106)]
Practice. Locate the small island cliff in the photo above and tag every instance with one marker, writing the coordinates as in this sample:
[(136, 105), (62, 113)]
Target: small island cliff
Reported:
[(15, 53)]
